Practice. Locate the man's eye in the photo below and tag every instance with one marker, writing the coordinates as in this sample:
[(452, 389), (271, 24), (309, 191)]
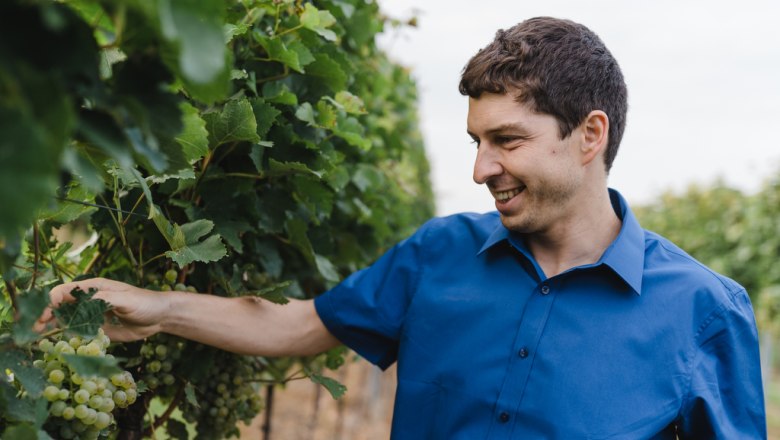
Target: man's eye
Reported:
[(503, 140), (475, 141)]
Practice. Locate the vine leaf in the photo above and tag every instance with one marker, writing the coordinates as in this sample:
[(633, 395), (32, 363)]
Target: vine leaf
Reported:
[(185, 240), (31, 412), (196, 27), (235, 122), (194, 136), (31, 305), (189, 394), (318, 21), (84, 316), (176, 429), (334, 387), (273, 293), (31, 378), (92, 365)]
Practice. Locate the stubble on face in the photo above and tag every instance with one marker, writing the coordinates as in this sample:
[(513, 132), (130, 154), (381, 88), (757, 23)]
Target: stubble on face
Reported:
[(545, 202)]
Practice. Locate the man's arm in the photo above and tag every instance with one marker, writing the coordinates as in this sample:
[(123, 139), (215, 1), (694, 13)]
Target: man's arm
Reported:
[(725, 398), (244, 325)]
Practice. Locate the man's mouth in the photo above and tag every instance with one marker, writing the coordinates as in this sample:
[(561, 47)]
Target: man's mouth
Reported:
[(503, 196)]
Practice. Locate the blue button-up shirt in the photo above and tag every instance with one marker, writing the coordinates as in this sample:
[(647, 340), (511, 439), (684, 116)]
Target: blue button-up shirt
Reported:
[(645, 343)]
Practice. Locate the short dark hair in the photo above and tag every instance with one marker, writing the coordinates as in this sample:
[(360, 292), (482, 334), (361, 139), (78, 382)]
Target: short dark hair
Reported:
[(558, 67)]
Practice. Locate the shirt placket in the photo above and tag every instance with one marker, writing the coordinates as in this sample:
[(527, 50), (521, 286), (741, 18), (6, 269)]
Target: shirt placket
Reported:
[(529, 333)]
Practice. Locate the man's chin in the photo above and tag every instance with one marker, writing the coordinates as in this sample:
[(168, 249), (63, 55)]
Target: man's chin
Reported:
[(514, 223)]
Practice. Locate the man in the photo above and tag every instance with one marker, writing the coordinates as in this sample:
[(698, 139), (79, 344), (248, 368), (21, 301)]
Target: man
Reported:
[(555, 317)]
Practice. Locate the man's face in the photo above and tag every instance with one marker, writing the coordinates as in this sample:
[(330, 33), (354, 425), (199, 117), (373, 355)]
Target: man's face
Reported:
[(533, 175)]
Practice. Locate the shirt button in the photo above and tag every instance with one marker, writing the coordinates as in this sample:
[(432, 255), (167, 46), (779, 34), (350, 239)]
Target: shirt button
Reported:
[(503, 417), (523, 353), (545, 289)]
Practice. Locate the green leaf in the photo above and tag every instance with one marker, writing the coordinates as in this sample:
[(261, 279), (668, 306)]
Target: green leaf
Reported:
[(236, 122), (21, 408), (31, 378), (276, 168), (171, 232), (31, 305), (278, 93), (196, 27), (194, 136), (334, 387), (84, 316), (296, 232), (232, 231), (329, 72), (274, 294), (189, 394), (278, 51), (210, 249), (28, 165), (318, 21), (326, 268), (196, 230), (92, 365), (184, 240), (102, 131), (265, 115), (176, 430), (350, 103), (353, 132), (23, 431), (367, 177), (326, 115), (66, 211), (306, 114)]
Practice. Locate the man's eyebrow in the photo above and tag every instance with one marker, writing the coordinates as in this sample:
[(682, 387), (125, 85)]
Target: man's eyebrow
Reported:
[(512, 126)]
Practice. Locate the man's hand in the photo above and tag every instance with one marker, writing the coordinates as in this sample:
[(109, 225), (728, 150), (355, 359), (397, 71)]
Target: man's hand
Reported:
[(136, 313)]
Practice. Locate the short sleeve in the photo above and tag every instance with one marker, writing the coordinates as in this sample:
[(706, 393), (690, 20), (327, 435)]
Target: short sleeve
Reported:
[(726, 400), (366, 311)]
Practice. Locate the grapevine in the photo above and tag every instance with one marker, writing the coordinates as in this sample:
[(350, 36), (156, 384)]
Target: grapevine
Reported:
[(250, 147), (81, 406)]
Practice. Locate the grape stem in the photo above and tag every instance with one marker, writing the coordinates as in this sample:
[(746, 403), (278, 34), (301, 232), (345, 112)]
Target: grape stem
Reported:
[(11, 288), (158, 422)]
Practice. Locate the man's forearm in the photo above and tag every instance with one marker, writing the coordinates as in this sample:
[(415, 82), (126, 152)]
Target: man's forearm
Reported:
[(248, 325)]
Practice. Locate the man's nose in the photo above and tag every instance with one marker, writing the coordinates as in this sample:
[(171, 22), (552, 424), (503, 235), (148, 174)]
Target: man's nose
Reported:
[(487, 164)]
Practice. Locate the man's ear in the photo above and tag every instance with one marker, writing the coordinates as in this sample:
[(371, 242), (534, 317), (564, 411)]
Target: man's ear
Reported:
[(594, 135)]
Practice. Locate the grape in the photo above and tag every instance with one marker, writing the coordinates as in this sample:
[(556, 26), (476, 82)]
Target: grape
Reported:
[(161, 350), (45, 345), (56, 376), (120, 397), (51, 393), (81, 396), (57, 408), (89, 386), (102, 420), (223, 400), (81, 411), (68, 413), (171, 276), (81, 407)]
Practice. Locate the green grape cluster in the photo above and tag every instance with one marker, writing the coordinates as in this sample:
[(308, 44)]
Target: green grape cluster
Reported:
[(160, 355), (168, 282), (81, 407), (227, 396)]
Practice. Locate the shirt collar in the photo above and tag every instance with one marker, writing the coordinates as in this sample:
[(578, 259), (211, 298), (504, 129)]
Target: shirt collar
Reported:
[(625, 256)]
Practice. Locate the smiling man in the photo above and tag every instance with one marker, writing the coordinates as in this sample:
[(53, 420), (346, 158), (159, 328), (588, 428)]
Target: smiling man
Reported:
[(555, 317)]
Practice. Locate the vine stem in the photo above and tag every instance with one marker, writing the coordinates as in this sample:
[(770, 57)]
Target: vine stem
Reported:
[(158, 422), (36, 253), (11, 288)]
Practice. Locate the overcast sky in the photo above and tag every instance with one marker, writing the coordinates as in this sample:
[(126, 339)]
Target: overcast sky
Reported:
[(703, 80)]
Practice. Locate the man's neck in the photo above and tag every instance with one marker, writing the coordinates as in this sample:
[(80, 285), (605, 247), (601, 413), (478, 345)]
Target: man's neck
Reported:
[(578, 239)]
